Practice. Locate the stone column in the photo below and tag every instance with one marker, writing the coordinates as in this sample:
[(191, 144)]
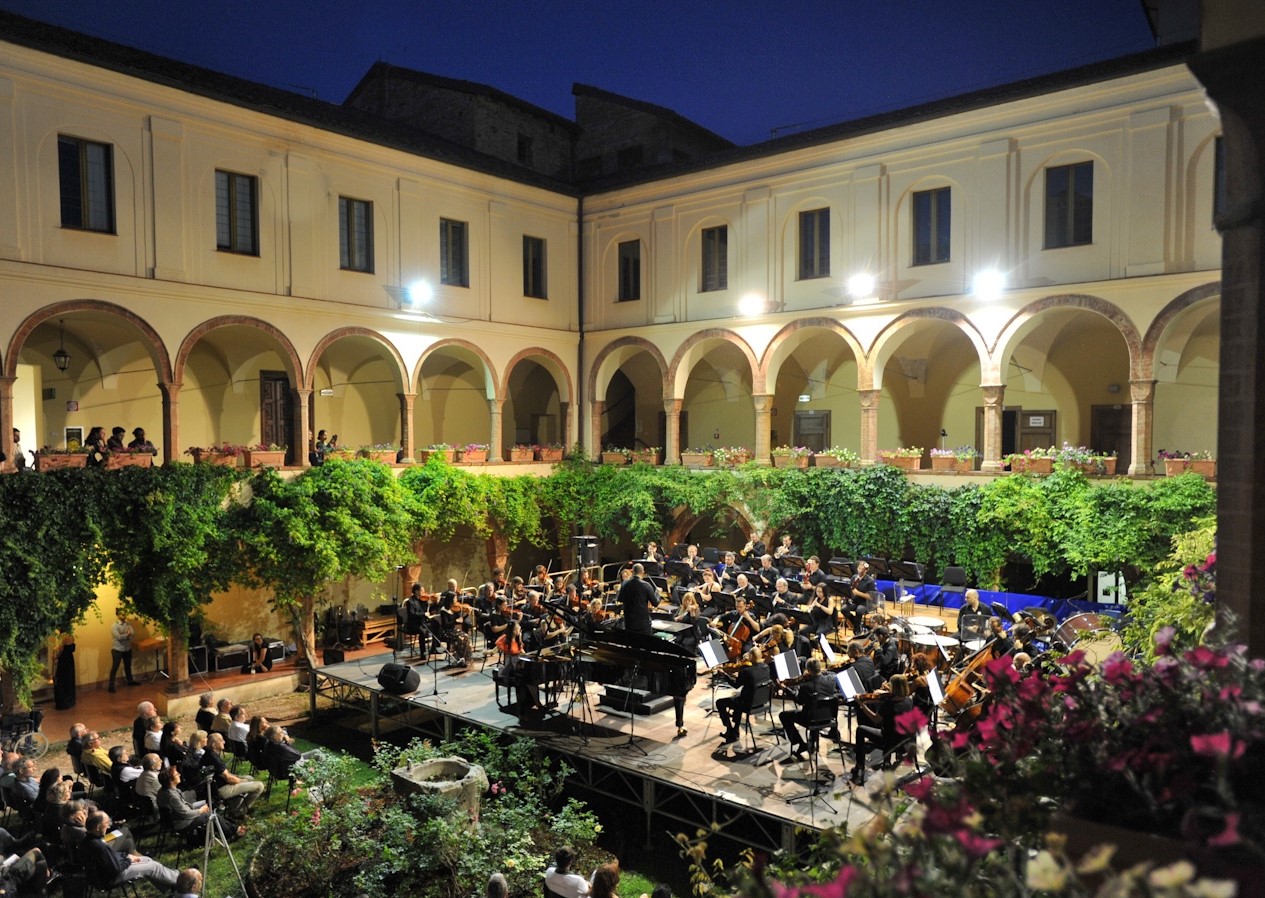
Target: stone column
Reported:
[(598, 407), (171, 421), (406, 423), (495, 407), (993, 408), (869, 425), (6, 424), (1142, 393), (302, 426), (672, 439), (564, 412), (763, 425)]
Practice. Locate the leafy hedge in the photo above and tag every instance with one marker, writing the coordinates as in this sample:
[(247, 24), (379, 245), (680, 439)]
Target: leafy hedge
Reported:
[(173, 535)]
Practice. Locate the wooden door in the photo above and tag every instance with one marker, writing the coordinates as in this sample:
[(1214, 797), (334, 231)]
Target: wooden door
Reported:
[(1037, 430), (276, 418), (812, 430), (1111, 430)]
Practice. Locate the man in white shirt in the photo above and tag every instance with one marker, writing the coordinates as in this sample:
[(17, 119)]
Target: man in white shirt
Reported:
[(561, 881)]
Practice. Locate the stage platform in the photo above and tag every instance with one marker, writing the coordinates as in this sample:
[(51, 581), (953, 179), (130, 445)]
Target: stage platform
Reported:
[(680, 783)]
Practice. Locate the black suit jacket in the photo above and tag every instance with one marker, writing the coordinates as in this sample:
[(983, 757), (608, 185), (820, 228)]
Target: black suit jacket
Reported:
[(750, 679), (636, 596)]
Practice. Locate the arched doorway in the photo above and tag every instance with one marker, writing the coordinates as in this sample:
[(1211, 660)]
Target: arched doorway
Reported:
[(356, 382)]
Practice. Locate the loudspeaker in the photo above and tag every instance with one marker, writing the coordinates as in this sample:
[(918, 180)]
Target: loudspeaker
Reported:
[(398, 679), (586, 550), (334, 656)]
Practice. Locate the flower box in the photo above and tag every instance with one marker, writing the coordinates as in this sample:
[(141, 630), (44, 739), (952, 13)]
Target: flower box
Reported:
[(732, 460), (472, 457), (904, 462), (260, 458), (424, 455), (648, 456), (546, 454), (1205, 467), (790, 461), (696, 459), (58, 462), (386, 456), (214, 458), (948, 464), (1032, 465), (614, 458), (117, 460), (519, 454)]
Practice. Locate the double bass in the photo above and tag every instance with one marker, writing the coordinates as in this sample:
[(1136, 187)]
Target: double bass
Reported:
[(964, 696)]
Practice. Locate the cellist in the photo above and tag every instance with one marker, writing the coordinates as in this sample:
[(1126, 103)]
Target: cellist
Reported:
[(739, 627)]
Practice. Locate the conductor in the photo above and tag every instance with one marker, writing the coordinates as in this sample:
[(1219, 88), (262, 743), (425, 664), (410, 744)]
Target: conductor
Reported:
[(637, 596)]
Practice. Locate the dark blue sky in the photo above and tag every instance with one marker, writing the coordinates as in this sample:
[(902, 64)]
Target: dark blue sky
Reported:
[(738, 67)]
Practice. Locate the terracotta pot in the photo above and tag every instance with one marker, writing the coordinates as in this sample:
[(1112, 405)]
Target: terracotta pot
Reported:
[(548, 455), (614, 458), (1206, 468), (259, 458), (790, 461), (128, 460), (58, 462), (1109, 466), (215, 458), (425, 454), (472, 457), (829, 461), (648, 456), (518, 456), (696, 459), (904, 462), (947, 464)]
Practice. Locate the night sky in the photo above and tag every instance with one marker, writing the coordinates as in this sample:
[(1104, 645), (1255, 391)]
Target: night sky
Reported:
[(737, 67)]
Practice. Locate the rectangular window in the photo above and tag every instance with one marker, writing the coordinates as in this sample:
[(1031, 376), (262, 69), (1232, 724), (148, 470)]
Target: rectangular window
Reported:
[(355, 234), (1069, 205), (1219, 197), (86, 173), (454, 260), (814, 244), (534, 268), (932, 218), (629, 270), (715, 259), (236, 221)]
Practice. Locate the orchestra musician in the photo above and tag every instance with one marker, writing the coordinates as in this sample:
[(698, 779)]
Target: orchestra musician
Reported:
[(782, 595), (819, 687), (920, 667), (1002, 643), (863, 664), (726, 570), (972, 605), (785, 547), (498, 621), (707, 588), (886, 652), (766, 575), (862, 589), (737, 622), (824, 609), (753, 675), (590, 585), (752, 552), (512, 648), (541, 581), (692, 557), (692, 615), (637, 596), (812, 571), (413, 613), (652, 553), (498, 580), (880, 731), (743, 589)]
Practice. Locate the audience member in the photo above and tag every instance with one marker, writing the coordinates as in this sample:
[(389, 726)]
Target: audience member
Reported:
[(606, 881), (172, 748), (189, 883), (183, 812), (239, 793), (239, 729), (145, 712), (107, 868), (147, 785), (561, 881), (206, 714), (154, 735), (223, 716)]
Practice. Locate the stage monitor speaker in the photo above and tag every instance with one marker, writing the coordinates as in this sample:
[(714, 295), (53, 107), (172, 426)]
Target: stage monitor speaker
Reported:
[(334, 656), (398, 679), (586, 549)]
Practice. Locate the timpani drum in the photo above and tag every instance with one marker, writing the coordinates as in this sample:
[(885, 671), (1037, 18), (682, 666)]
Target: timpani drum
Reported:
[(1092, 633)]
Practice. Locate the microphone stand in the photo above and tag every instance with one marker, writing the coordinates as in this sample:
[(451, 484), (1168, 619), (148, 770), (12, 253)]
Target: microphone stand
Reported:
[(632, 717)]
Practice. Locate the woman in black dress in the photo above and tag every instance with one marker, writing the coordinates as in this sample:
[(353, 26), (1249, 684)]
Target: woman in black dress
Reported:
[(64, 675)]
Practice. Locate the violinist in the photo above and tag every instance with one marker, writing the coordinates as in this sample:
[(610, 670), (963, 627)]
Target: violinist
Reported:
[(739, 627), (863, 664), (920, 667), (861, 593), (1002, 643), (819, 687), (572, 600), (498, 580), (498, 621), (541, 581), (880, 730), (590, 586), (754, 674), (751, 553), (637, 596), (692, 615)]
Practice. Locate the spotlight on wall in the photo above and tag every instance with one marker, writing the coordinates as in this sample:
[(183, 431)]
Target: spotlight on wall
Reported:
[(419, 293), (752, 304), (61, 358), (861, 285), (989, 284)]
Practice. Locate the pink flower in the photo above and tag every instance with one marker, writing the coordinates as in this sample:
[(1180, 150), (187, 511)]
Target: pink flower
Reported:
[(836, 888), (1117, 668), (910, 722), (1218, 745), (1206, 659), (1229, 835), (920, 789), (1164, 640), (975, 845)]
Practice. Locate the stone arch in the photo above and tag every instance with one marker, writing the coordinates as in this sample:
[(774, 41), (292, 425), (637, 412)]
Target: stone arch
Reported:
[(687, 354), (599, 379), (489, 370), (547, 360), (886, 342), (1026, 318), (206, 327), (157, 348), (1155, 333), (684, 521), (334, 336), (785, 341)]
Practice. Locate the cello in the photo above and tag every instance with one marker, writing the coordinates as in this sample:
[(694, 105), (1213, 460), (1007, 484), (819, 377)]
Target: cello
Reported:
[(739, 635), (962, 696)]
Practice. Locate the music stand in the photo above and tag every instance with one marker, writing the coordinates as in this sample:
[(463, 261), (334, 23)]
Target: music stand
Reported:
[(679, 551), (651, 567), (631, 744), (879, 567), (724, 600), (713, 654), (840, 567), (908, 573), (786, 666), (791, 562), (936, 689), (681, 570)]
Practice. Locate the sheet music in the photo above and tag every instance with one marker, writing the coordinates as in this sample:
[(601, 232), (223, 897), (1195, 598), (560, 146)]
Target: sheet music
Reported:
[(786, 666), (936, 688), (713, 653), (826, 651), (850, 684)]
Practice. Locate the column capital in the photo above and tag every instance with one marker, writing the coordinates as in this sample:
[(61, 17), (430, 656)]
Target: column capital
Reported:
[(869, 398), (672, 406), (1142, 390), (994, 394)]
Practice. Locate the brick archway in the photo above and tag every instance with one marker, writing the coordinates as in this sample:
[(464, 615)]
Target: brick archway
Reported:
[(784, 341), (489, 370), (334, 336), (887, 341), (1155, 333), (1011, 335), (555, 366), (195, 336), (686, 352), (157, 348), (594, 391)]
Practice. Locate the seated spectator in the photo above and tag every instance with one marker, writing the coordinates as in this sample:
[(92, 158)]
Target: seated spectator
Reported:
[(73, 832), (154, 735), (279, 753), (606, 880), (239, 729), (107, 868), (172, 748), (74, 745), (27, 875), (561, 881), (239, 793), (189, 883), (11, 844), (188, 818), (223, 717), (94, 755), (26, 783), (147, 785), (145, 712), (120, 770), (256, 741), (206, 714), (58, 794)]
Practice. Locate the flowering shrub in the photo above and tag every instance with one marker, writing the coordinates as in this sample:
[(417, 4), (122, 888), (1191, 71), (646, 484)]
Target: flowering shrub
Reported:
[(221, 449), (844, 456), (1202, 455), (961, 453), (730, 455)]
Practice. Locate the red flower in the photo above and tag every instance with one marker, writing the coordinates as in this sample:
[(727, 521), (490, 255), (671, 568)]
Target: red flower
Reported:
[(910, 722), (1218, 745), (1117, 668), (1229, 835), (1206, 659), (836, 888), (975, 845)]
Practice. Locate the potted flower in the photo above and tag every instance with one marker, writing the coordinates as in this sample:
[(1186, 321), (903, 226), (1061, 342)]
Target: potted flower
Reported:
[(258, 456), (1032, 461), (651, 455), (791, 456), (443, 450), (730, 456), (696, 458), (473, 454), (519, 454), (1103, 465), (549, 452), (959, 461), (836, 457), (128, 458), (50, 459), (1178, 462), (224, 454), (906, 458), (381, 452), (615, 455)]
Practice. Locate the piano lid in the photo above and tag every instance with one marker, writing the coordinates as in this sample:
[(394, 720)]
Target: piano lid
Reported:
[(639, 641)]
